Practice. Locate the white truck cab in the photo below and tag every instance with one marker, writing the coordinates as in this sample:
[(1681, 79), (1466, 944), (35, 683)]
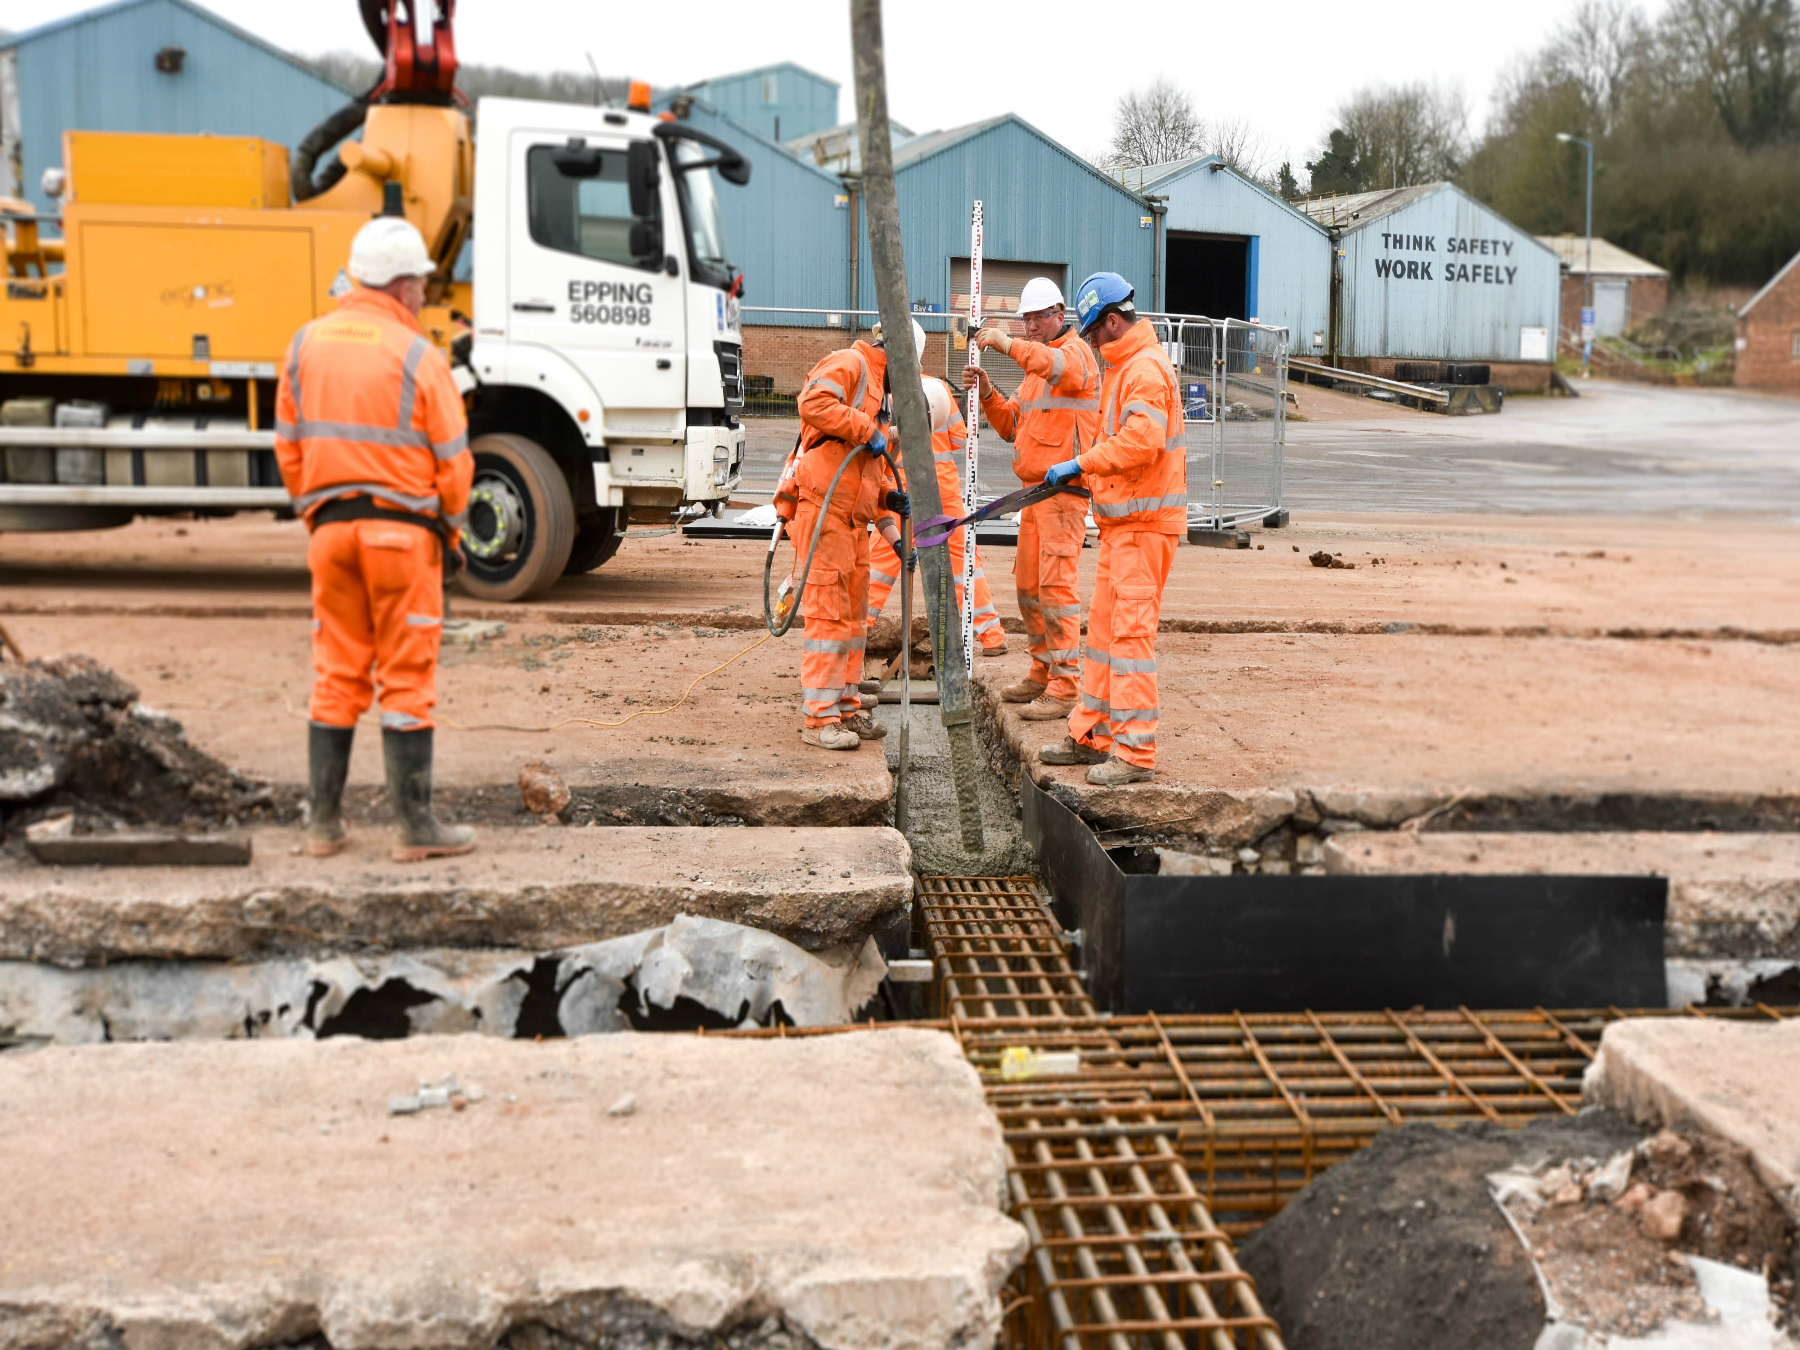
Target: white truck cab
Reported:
[(604, 301)]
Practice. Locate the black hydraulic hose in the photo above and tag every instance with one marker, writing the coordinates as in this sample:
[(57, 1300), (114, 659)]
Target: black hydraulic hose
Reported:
[(320, 139), (779, 630)]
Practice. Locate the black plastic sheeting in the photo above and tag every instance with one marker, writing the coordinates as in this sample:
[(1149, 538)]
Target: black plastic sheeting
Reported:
[(1177, 944)]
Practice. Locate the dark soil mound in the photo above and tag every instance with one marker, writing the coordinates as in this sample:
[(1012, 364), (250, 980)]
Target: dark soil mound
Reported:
[(73, 736), (1403, 1247)]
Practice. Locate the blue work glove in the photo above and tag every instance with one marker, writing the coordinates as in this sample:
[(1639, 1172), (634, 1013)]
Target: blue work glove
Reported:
[(877, 443), (899, 504), (1062, 473)]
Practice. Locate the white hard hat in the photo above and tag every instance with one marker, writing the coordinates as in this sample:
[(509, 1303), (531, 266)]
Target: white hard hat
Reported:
[(918, 338), (386, 249), (1039, 293), (942, 405)]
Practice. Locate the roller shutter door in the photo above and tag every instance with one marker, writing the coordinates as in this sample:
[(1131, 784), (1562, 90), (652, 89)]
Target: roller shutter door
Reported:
[(1001, 284)]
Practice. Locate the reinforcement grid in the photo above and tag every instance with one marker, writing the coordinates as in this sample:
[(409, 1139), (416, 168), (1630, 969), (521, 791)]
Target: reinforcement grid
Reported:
[(1139, 1146)]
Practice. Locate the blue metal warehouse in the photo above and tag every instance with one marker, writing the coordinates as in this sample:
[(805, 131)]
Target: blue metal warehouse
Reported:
[(146, 65), (776, 102), (1429, 273), (1231, 249)]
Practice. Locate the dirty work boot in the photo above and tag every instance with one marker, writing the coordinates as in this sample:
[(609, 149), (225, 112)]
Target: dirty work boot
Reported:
[(1022, 692), (831, 736), (1117, 773), (420, 836), (1071, 751), (1043, 708), (998, 650), (328, 765), (866, 727)]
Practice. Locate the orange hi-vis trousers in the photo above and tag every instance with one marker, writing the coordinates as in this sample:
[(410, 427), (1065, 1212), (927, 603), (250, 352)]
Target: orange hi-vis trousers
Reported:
[(1118, 711), (884, 573), (378, 602), (1044, 574), (837, 594)]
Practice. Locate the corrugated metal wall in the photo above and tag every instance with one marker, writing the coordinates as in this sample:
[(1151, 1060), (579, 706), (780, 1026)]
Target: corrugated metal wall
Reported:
[(1445, 277), (783, 228), (804, 102), (99, 74), (1039, 205), (1293, 283)]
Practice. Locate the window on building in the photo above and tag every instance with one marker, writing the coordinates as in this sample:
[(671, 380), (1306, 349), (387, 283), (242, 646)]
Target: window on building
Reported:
[(588, 214), (771, 88), (1796, 351)]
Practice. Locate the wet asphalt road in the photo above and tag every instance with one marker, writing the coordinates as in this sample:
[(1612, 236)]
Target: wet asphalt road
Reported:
[(1620, 449)]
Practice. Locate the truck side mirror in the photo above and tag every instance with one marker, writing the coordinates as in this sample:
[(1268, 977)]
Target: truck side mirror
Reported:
[(646, 239), (577, 159), (734, 168), (642, 176)]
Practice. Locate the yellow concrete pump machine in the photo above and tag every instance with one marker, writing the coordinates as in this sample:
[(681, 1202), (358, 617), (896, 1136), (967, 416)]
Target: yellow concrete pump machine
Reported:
[(598, 345)]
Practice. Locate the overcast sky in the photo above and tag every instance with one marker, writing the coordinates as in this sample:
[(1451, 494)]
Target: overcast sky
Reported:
[(1061, 65)]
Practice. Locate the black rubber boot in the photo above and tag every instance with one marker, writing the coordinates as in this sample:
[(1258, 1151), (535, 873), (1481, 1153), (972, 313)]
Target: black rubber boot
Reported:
[(408, 756), (328, 765)]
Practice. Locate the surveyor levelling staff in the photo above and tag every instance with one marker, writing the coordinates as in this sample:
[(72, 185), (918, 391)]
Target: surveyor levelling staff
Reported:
[(949, 436), (374, 450), (1136, 472), (838, 414), (1056, 414)]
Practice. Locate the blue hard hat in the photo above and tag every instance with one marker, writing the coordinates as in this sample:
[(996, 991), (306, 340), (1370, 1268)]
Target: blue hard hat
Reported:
[(1096, 293)]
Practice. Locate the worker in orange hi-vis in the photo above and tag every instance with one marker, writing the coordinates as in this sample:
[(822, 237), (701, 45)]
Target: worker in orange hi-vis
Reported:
[(949, 435), (374, 450), (838, 417), (1056, 414), (1136, 472)]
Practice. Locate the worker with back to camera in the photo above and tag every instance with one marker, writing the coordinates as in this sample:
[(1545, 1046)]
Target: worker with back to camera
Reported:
[(839, 408), (1136, 472), (1055, 414), (374, 450), (949, 438)]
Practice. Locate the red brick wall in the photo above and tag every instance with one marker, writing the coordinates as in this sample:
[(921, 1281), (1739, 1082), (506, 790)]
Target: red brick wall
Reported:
[(1765, 356), (1647, 298), (1516, 377), (787, 354)]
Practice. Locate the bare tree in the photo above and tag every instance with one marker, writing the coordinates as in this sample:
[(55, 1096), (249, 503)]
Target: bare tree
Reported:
[(1746, 53), (1238, 143), (1413, 133), (1154, 126), (1597, 51)]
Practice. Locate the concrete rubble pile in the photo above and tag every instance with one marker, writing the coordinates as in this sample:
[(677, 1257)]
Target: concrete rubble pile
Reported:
[(74, 736)]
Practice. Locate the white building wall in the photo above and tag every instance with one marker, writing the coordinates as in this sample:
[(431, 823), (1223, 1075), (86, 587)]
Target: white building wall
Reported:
[(1446, 278)]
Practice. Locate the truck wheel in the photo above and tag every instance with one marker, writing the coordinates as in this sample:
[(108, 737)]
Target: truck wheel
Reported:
[(596, 540), (521, 520)]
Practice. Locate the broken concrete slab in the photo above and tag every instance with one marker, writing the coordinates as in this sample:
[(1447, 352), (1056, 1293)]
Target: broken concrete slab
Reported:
[(1731, 896), (830, 1191), (535, 889), (1738, 1080), (740, 975)]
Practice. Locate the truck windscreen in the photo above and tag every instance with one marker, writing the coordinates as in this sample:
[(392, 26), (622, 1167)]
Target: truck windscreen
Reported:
[(700, 209)]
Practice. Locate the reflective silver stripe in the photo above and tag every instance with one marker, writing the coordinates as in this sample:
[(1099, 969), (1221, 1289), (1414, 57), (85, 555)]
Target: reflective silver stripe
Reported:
[(1061, 611), (837, 646), (457, 521), (451, 448), (1056, 366), (423, 621), (1092, 703), (943, 457), (862, 382), (1065, 655), (1176, 443), (858, 644), (1132, 665), (1098, 657), (1059, 402), (1136, 504), (316, 625), (357, 431), (1156, 415), (882, 577), (1136, 714), (984, 612), (987, 625), (380, 491), (399, 721), (409, 382), (1029, 602), (830, 696), (822, 382), (286, 430), (293, 371), (1135, 739)]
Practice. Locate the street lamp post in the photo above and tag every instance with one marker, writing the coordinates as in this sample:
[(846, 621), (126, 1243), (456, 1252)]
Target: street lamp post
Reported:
[(1587, 311)]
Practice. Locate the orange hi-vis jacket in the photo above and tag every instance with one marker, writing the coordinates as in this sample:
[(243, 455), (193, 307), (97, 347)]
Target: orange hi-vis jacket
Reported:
[(1137, 470), (837, 414), (1057, 413), (366, 406)]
